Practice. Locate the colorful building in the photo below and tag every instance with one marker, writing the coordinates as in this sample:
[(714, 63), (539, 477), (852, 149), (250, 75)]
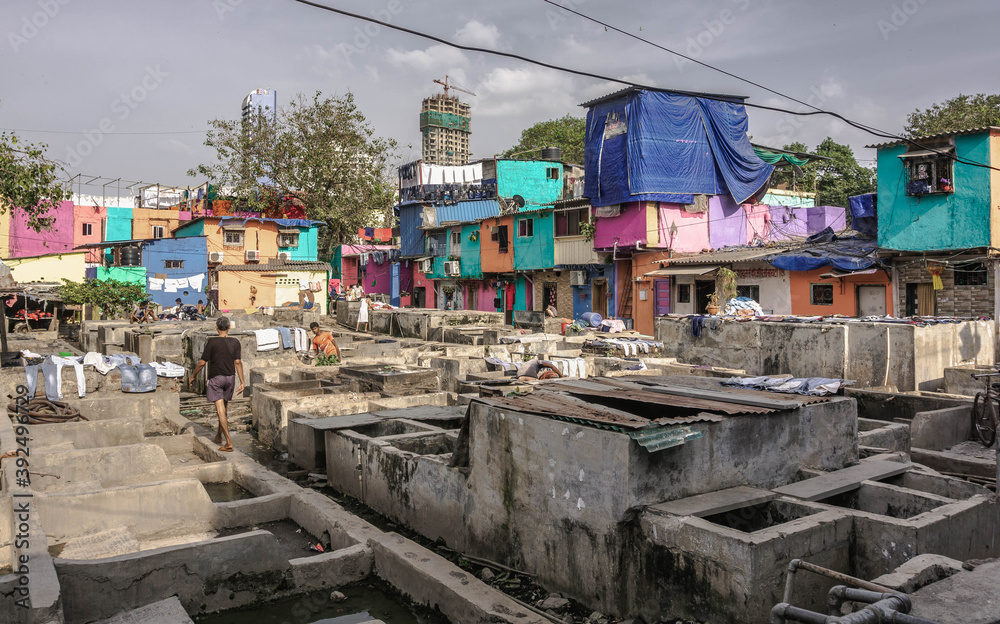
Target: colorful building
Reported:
[(26, 242), (89, 225), (48, 268)]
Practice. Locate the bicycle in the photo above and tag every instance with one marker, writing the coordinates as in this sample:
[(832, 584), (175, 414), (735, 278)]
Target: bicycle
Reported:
[(984, 410)]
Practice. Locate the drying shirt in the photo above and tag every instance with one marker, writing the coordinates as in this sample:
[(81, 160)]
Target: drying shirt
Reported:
[(221, 355), (324, 343)]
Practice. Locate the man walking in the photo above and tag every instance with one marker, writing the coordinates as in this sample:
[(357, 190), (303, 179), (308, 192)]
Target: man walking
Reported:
[(222, 354)]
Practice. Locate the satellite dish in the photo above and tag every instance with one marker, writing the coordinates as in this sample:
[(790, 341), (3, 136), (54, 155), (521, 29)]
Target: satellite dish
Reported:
[(518, 201)]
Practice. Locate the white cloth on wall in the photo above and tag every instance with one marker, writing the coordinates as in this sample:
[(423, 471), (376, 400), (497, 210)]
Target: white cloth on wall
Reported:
[(170, 285), (267, 339), (196, 282), (301, 339), (155, 284), (167, 369), (182, 282)]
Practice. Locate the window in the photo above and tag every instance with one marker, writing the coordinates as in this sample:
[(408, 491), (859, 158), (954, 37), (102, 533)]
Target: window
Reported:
[(568, 221), (751, 292), (456, 238), (173, 264), (821, 294), (232, 238), (159, 231), (88, 229), (495, 234), (552, 173), (526, 227), (287, 239), (684, 293), (971, 275), (928, 172)]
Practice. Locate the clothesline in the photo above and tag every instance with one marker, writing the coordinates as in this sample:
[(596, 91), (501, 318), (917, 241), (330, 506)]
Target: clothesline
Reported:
[(194, 282)]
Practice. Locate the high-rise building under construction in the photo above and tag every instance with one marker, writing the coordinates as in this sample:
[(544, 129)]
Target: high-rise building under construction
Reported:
[(444, 126)]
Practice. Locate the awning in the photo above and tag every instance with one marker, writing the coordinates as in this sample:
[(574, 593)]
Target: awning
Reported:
[(836, 273), (944, 151), (682, 270), (282, 231)]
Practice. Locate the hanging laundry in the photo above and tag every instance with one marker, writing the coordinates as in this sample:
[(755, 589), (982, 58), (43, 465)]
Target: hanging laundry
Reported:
[(196, 282), (267, 339), (170, 285), (155, 284), (286, 337), (369, 232)]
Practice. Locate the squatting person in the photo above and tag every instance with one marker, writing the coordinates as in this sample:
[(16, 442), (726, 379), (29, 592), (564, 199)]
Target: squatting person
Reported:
[(222, 354), (324, 343)]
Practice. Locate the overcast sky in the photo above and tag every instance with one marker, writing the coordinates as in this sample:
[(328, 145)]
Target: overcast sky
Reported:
[(114, 67)]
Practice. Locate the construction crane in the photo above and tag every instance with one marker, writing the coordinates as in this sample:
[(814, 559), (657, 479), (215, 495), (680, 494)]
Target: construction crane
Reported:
[(448, 85)]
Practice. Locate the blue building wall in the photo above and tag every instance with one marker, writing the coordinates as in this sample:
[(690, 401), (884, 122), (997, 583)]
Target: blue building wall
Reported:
[(193, 251), (958, 220), (119, 224), (411, 240), (528, 179), (472, 266), (538, 250)]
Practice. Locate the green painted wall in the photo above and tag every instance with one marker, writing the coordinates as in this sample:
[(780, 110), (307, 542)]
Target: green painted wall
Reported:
[(527, 178), (438, 272), (194, 228), (472, 266), (119, 224), (536, 251), (135, 275), (958, 220)]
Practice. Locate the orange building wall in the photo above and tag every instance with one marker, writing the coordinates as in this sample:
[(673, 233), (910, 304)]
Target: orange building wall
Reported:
[(143, 220), (844, 292), (643, 311), (260, 236), (235, 294), (492, 260)]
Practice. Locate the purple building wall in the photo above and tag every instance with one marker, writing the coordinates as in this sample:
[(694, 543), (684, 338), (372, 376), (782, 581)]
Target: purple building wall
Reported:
[(727, 222), (26, 242), (626, 229), (822, 217)]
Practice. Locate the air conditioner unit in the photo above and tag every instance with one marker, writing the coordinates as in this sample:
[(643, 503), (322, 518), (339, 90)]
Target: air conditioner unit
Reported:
[(215, 257), (425, 266), (284, 256), (453, 268), (577, 278), (253, 255)]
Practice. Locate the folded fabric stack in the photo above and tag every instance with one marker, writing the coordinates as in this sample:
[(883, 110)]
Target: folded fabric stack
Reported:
[(628, 346)]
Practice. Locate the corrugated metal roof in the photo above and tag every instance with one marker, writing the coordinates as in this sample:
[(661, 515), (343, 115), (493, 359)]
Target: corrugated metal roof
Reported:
[(930, 137), (737, 254), (270, 266), (633, 89), (465, 211)]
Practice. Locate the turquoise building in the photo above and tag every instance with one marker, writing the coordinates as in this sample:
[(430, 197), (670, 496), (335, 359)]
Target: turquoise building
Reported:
[(534, 245)]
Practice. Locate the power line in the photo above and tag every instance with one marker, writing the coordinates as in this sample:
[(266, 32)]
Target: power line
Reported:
[(102, 133), (587, 74)]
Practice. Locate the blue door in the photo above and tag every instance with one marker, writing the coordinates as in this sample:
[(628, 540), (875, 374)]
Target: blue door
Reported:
[(394, 285), (581, 300)]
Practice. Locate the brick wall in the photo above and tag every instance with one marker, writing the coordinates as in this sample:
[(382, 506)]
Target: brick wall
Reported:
[(962, 301), (564, 292)]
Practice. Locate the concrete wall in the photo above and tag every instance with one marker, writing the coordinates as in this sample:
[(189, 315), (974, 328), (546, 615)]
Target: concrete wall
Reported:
[(872, 354)]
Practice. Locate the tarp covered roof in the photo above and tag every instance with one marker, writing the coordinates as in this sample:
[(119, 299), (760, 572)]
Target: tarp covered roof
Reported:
[(826, 249)]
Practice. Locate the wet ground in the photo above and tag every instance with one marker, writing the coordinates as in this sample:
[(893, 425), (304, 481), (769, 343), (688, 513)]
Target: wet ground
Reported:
[(368, 601)]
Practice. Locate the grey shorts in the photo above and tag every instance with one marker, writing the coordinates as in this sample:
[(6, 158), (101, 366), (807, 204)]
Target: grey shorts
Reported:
[(221, 388)]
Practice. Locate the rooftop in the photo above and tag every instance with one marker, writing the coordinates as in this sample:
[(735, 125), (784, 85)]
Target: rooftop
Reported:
[(633, 89), (931, 137)]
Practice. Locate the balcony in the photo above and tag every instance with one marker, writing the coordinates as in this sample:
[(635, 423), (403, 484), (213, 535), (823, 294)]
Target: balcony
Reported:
[(575, 250)]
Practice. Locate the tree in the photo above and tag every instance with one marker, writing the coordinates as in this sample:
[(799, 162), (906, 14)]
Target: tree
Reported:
[(567, 133), (114, 297), (959, 113), (832, 180), (28, 181), (323, 152)]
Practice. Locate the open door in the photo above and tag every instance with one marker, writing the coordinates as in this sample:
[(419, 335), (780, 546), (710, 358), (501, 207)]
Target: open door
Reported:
[(600, 297)]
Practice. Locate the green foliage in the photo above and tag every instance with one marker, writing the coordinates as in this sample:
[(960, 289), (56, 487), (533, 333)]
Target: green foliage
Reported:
[(832, 180), (327, 360), (114, 297), (959, 113), (725, 284), (588, 230), (567, 133), (28, 181), (323, 151)]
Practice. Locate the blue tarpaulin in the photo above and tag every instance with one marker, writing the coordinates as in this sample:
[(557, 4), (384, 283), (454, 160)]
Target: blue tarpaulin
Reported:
[(864, 213), (847, 254), (654, 146)]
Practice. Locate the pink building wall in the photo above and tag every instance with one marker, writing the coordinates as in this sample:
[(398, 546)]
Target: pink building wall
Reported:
[(691, 234), (626, 229), (486, 296), (27, 242), (420, 281), (95, 216)]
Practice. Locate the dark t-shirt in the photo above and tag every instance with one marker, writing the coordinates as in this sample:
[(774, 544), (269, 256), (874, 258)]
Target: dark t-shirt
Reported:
[(221, 355)]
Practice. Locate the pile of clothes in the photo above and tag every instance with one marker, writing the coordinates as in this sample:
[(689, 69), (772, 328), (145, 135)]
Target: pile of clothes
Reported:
[(816, 386), (742, 306), (136, 376), (628, 346)]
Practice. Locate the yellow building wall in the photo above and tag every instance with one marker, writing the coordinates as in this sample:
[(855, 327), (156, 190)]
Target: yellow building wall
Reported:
[(52, 269), (995, 189), (287, 289), (236, 290), (4, 232), (143, 220), (260, 236)]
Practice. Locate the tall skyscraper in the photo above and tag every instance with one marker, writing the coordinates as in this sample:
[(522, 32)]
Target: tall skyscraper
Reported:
[(444, 124), (261, 101)]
